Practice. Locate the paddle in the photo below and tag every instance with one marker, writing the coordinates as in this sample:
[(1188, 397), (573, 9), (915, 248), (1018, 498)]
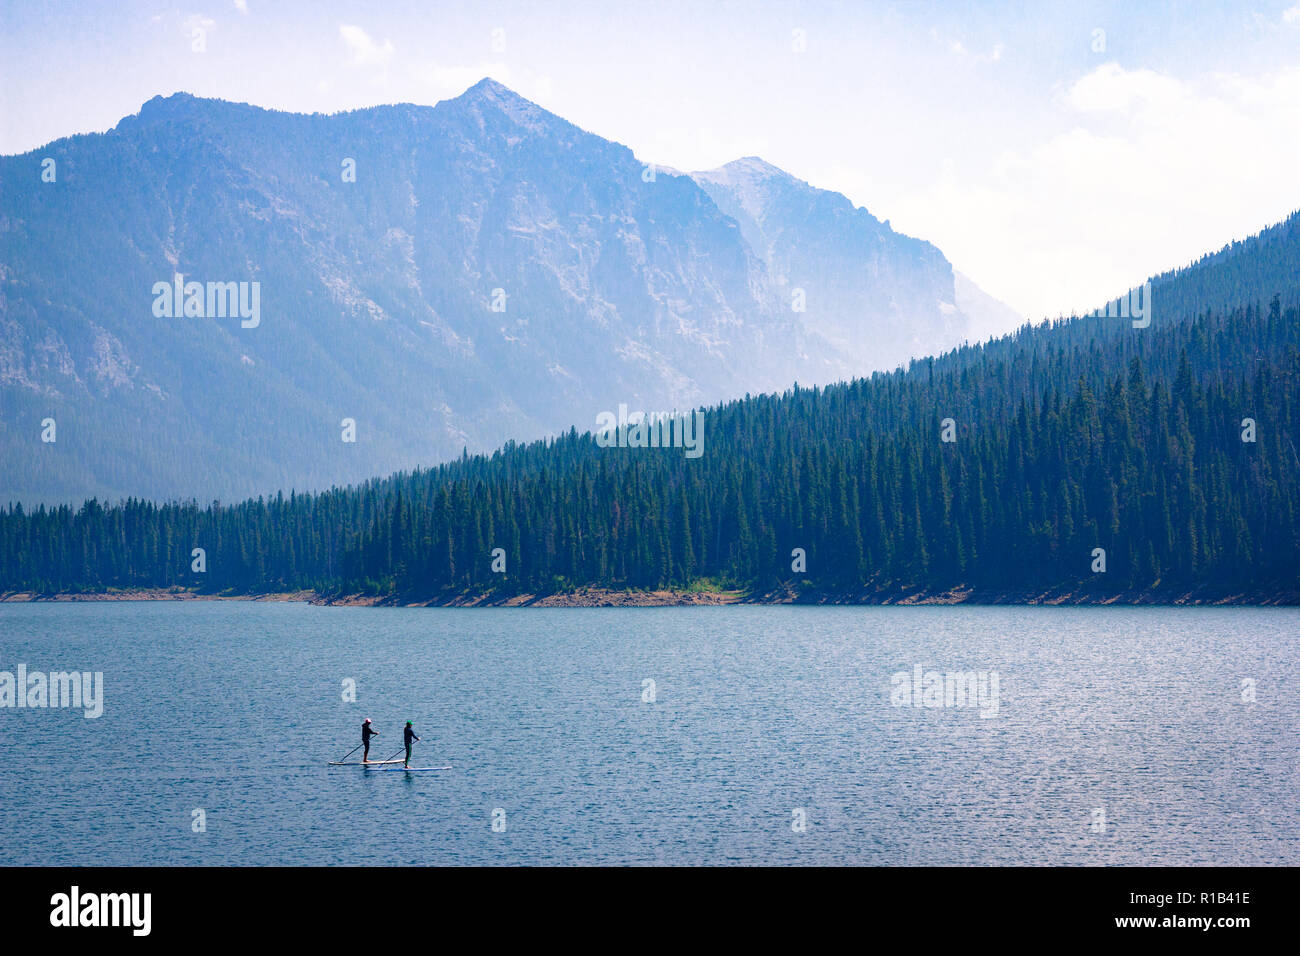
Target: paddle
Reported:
[(356, 748), (403, 750), (350, 752)]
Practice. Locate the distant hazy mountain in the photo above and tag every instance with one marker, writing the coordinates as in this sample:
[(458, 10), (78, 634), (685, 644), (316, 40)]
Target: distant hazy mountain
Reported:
[(492, 273), (874, 294), (986, 315)]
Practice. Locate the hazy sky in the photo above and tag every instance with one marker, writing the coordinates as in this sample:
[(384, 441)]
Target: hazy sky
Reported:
[(1056, 153)]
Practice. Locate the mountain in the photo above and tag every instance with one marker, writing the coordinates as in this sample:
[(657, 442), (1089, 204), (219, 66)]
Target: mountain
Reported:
[(1090, 460), (868, 290), (444, 277), (987, 316)]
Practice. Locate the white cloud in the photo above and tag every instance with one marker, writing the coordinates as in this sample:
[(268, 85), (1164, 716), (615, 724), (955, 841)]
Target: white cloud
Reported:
[(1292, 14), (1151, 172), (1111, 89), (241, 6), (363, 50)]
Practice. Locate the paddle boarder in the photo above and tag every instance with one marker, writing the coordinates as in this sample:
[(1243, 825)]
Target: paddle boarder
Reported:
[(408, 735), (366, 733)]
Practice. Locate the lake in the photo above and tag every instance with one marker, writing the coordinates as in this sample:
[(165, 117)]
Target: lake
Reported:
[(769, 735)]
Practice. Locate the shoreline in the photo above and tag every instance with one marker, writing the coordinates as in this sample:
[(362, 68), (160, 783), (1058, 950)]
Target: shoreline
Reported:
[(608, 597), (148, 594)]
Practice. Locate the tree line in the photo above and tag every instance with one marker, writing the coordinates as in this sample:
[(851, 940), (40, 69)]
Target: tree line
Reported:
[(1171, 448)]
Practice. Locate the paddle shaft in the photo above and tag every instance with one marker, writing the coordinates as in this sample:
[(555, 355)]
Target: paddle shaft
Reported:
[(351, 752), (356, 748), (403, 750)]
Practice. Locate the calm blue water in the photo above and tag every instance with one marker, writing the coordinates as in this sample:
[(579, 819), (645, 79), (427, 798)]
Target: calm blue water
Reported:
[(235, 708)]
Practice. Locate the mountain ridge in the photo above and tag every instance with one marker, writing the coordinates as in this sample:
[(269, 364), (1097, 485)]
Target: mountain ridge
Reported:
[(379, 295)]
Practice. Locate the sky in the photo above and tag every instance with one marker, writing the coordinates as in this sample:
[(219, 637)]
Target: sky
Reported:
[(1057, 153)]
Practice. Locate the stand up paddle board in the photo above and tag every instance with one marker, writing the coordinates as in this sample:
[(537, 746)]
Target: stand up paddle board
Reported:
[(408, 769), (358, 763)]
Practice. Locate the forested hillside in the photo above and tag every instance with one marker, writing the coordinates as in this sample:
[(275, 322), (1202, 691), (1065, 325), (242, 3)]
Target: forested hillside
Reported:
[(1070, 436)]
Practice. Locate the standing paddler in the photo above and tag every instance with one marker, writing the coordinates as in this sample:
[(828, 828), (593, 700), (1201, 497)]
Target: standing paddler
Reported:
[(366, 733), (408, 735)]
